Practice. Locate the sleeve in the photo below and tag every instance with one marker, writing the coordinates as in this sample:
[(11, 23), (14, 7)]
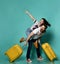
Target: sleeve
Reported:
[(35, 21)]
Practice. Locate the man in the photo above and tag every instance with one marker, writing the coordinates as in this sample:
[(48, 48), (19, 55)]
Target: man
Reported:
[(32, 37)]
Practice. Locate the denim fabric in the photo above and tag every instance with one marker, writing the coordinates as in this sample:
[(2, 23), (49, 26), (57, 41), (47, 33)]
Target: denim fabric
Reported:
[(28, 31), (30, 42)]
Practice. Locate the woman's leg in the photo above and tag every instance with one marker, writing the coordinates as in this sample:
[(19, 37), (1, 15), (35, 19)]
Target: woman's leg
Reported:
[(28, 31)]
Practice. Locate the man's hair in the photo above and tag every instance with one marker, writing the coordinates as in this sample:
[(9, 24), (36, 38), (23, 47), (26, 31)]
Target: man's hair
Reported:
[(45, 28), (46, 22)]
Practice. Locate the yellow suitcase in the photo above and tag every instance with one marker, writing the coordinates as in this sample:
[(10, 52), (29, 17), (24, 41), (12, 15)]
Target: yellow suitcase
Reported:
[(49, 52), (14, 52)]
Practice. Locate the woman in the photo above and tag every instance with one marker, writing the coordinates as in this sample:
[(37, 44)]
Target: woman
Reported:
[(36, 23)]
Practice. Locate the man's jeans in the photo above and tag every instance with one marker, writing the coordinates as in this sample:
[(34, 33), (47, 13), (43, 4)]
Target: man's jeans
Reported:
[(30, 42)]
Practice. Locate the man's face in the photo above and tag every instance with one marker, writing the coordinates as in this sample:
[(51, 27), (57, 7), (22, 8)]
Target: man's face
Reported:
[(41, 22), (42, 28)]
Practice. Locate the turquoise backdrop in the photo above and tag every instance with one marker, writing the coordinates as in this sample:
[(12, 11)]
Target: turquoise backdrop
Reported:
[(14, 22)]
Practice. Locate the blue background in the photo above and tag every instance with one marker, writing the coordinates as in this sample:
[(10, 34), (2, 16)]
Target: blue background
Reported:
[(14, 22)]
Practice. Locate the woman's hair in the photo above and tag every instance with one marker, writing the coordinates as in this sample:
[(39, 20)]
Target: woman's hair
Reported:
[(46, 22)]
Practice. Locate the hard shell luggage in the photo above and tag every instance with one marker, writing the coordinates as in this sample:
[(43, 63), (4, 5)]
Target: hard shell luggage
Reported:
[(14, 52), (49, 52)]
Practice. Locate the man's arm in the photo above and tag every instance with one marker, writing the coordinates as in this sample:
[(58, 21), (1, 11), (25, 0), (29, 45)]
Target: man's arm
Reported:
[(30, 35), (28, 13), (33, 33)]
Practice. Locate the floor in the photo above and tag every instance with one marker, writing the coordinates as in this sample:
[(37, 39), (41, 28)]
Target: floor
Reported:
[(34, 62), (22, 60)]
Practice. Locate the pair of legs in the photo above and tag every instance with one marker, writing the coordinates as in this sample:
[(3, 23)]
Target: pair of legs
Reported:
[(30, 42)]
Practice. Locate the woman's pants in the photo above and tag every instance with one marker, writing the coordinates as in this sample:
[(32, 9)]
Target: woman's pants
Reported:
[(30, 42)]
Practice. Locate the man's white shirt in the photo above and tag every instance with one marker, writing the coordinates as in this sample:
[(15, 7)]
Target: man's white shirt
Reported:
[(37, 33)]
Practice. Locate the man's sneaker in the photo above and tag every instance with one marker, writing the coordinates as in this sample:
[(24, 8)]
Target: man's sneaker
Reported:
[(40, 59), (29, 61)]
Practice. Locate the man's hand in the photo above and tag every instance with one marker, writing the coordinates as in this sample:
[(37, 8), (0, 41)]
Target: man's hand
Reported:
[(26, 43)]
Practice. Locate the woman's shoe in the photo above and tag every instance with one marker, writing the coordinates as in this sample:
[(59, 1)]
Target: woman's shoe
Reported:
[(22, 39)]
